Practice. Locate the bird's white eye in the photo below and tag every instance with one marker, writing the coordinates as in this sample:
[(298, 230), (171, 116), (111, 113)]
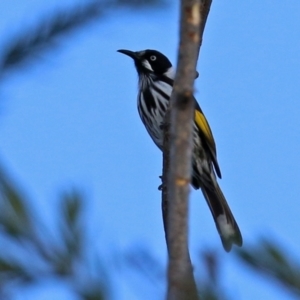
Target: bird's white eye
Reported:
[(152, 57)]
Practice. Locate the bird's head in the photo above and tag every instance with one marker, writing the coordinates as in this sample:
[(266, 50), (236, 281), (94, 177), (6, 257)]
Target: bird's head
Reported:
[(149, 62)]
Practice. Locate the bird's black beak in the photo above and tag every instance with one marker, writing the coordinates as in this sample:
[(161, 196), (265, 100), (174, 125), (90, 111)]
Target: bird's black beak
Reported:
[(129, 53)]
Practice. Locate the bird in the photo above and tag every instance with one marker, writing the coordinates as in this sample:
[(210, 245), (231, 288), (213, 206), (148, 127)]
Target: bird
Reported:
[(155, 83)]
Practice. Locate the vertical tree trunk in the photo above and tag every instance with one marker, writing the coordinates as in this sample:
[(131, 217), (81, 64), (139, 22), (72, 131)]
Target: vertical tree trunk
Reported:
[(178, 147)]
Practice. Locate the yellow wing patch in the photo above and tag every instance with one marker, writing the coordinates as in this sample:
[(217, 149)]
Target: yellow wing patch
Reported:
[(206, 134), (202, 124)]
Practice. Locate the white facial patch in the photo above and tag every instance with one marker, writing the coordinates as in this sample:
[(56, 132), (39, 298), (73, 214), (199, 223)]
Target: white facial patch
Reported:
[(147, 65), (226, 229), (171, 73)]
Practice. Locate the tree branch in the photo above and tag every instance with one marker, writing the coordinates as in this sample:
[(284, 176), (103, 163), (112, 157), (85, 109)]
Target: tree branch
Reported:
[(178, 147)]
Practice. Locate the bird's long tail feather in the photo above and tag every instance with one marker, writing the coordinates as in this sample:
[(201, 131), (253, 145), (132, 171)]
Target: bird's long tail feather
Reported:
[(223, 217)]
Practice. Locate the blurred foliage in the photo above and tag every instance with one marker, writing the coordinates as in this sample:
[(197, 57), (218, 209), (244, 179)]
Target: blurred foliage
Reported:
[(141, 3), (210, 285), (274, 262), (209, 282), (29, 253), (267, 259), (31, 42)]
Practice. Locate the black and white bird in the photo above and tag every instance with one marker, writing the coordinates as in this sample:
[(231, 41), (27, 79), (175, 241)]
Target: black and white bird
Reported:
[(156, 77)]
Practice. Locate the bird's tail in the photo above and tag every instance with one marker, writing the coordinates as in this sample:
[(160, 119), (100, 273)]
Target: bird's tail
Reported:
[(227, 227)]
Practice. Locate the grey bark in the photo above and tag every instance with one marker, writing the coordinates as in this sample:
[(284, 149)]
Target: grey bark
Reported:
[(178, 149)]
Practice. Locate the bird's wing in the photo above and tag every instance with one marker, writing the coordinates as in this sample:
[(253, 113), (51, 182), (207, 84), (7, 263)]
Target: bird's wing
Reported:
[(203, 126), (207, 136)]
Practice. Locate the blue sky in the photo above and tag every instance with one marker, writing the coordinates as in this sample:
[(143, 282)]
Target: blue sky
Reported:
[(71, 120)]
